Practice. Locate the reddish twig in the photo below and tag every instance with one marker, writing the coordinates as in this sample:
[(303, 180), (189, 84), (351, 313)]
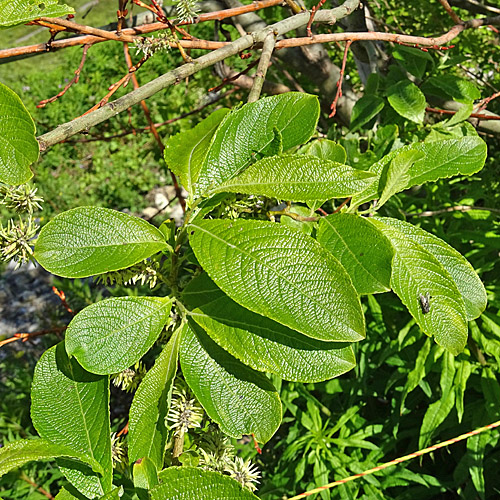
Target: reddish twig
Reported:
[(74, 80), (313, 13), (484, 102), (338, 95), (256, 444), (152, 127), (123, 81), (342, 205), (62, 296), (23, 337), (121, 14), (472, 115), (44, 492), (450, 11), (123, 431), (230, 79)]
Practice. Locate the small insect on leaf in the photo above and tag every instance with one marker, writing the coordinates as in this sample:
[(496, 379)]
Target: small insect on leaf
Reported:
[(424, 302)]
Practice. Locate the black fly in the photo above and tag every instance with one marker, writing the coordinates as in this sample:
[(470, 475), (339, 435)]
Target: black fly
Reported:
[(424, 302)]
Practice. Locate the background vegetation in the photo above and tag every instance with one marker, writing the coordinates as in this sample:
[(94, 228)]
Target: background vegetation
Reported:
[(378, 411)]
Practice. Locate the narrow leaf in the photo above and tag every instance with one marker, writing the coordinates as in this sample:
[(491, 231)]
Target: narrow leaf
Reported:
[(365, 109), (187, 483), (13, 12), (462, 114), (260, 342), (239, 399), (298, 178), (286, 275), (407, 100), (63, 392), (18, 453), (18, 144), (444, 158), (466, 279), (185, 152), (111, 335), (249, 130), (325, 150), (361, 248), (397, 177), (147, 430), (434, 417), (418, 276), (93, 240)]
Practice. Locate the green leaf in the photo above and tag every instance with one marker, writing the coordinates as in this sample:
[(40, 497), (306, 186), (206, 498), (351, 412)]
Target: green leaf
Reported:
[(239, 399), (466, 279), (64, 494), (145, 474), (249, 130), (372, 84), (462, 114), (18, 453), (476, 447), (361, 248), (407, 100), (396, 176), (415, 273), (185, 152), (70, 406), (111, 335), (14, 12), (463, 373), (462, 156), (188, 483), (18, 144), (326, 150), (93, 240), (260, 342), (298, 178), (285, 275), (147, 431), (365, 109), (457, 88), (412, 60)]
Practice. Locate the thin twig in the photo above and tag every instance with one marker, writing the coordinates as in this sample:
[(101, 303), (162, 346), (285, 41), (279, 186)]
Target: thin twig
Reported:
[(230, 79), (25, 478), (74, 80), (472, 115), (260, 75), (484, 102), (28, 336), (450, 11), (314, 9), (145, 108), (121, 13), (338, 95)]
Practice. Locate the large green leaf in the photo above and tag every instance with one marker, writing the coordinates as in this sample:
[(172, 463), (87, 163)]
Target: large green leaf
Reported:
[(239, 399), (93, 240), (459, 89), (280, 273), (251, 130), (416, 273), (298, 178), (111, 335), (261, 343), (325, 149), (70, 406), (14, 12), (365, 109), (18, 144), (396, 177), (18, 453), (466, 279), (184, 153), (407, 100), (361, 248), (412, 60), (461, 156), (189, 483), (147, 431)]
